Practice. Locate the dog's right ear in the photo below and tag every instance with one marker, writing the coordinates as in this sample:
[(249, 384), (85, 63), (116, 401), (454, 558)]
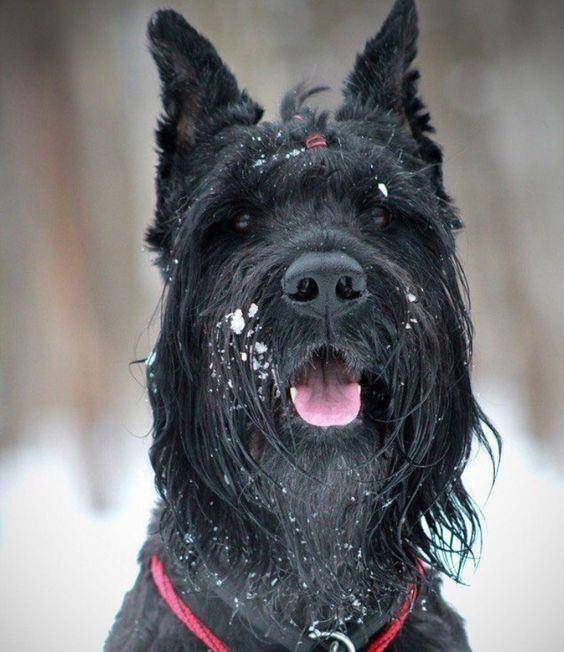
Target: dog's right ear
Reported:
[(198, 91), (200, 97)]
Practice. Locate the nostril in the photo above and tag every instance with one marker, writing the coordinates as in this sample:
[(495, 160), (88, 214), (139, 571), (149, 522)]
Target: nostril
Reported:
[(324, 284), (349, 288), (307, 290)]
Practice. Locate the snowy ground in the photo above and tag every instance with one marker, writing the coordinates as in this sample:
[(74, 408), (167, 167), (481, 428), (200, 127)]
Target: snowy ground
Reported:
[(64, 568)]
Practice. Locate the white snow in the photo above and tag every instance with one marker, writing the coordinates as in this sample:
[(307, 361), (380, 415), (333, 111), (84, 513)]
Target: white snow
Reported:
[(261, 348), (71, 565), (64, 566), (294, 152), (237, 321), (253, 309), (518, 581)]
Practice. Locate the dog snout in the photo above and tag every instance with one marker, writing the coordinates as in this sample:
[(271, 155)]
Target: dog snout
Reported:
[(324, 284)]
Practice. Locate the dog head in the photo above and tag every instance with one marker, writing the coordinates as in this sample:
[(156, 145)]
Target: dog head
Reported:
[(312, 404)]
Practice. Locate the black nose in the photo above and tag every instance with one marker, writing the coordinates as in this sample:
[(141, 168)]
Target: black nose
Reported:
[(324, 284)]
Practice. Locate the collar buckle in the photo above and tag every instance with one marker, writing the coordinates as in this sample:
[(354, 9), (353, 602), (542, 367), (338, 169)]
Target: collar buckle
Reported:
[(340, 642)]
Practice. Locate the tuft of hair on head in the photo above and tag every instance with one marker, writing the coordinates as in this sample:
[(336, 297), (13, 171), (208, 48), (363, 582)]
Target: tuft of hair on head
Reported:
[(294, 102)]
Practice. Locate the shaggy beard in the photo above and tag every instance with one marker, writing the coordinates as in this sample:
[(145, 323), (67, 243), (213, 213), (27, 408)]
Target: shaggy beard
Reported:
[(324, 503), (317, 525)]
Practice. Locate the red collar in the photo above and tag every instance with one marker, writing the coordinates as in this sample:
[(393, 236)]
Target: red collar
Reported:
[(200, 631)]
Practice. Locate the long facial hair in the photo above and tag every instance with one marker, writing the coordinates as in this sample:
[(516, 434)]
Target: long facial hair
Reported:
[(327, 527)]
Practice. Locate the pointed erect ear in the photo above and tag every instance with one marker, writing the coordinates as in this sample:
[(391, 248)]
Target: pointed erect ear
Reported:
[(378, 77), (199, 93), (200, 97), (382, 79)]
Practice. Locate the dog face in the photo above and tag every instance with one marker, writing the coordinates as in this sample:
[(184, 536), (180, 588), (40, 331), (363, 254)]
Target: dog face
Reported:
[(310, 385)]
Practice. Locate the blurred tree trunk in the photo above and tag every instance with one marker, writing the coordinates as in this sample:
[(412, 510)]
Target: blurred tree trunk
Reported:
[(68, 210)]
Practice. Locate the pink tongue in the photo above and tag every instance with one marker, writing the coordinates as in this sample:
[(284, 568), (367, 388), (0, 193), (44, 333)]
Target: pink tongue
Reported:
[(327, 400)]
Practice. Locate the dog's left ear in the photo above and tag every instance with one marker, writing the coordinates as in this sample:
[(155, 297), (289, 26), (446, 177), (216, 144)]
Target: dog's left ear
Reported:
[(200, 98), (382, 80), (381, 76)]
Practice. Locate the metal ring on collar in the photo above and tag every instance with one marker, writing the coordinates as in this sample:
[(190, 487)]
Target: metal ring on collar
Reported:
[(337, 637)]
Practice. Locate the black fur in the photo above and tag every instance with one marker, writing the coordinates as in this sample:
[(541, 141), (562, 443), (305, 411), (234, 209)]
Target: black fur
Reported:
[(311, 526)]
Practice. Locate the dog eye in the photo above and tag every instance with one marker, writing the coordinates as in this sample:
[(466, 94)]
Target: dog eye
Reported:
[(242, 223), (382, 218)]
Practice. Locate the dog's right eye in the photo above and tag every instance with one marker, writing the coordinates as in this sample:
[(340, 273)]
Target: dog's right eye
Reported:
[(242, 223)]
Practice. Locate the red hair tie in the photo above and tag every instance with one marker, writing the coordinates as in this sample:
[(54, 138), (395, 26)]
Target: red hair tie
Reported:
[(315, 140)]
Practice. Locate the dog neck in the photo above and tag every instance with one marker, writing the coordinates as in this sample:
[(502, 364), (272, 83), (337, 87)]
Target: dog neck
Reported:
[(228, 599), (221, 593)]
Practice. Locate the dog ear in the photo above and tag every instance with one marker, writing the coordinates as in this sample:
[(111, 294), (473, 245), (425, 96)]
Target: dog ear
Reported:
[(200, 97), (382, 79), (380, 75), (195, 83)]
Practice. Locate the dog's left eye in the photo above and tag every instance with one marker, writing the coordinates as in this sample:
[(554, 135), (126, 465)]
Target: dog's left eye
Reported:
[(382, 218), (242, 223)]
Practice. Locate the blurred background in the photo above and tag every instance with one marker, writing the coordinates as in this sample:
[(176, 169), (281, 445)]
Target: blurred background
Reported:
[(78, 102)]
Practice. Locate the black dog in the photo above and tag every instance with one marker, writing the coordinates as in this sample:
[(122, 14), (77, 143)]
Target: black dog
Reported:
[(313, 411)]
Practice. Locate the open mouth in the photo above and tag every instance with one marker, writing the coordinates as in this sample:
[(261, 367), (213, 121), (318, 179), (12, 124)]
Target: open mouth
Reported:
[(325, 392)]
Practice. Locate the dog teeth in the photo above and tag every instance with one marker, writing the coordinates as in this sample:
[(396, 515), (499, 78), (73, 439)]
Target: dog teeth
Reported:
[(293, 393), (358, 389)]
